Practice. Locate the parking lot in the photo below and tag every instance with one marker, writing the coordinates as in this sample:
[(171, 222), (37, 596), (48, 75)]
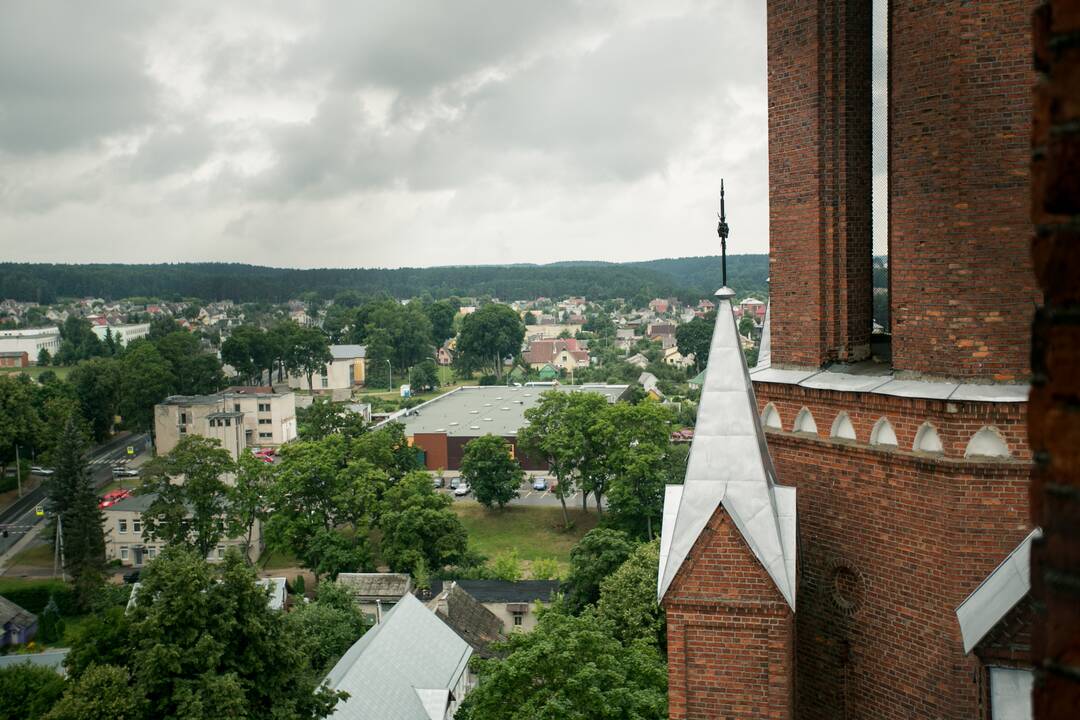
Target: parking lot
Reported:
[(527, 496)]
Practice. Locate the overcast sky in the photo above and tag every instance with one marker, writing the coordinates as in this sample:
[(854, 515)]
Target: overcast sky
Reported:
[(380, 133)]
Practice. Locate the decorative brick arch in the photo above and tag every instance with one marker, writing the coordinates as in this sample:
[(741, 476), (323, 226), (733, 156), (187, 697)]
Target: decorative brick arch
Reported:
[(842, 427), (883, 434), (804, 422), (927, 440), (770, 417), (987, 443)]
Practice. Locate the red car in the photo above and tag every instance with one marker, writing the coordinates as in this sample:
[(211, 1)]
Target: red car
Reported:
[(112, 497), (264, 454)]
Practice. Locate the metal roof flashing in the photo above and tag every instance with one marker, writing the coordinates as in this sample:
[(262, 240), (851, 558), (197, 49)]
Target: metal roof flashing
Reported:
[(997, 594), (730, 465)]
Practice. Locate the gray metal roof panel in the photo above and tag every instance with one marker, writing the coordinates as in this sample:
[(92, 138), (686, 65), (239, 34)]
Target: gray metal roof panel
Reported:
[(410, 650), (991, 393), (845, 382), (997, 594), (917, 389), (781, 376), (348, 352)]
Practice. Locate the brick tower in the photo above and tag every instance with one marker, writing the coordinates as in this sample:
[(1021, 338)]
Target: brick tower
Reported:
[(911, 463)]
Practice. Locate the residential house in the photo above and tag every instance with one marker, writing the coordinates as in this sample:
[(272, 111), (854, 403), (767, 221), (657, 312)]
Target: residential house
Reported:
[(566, 354), (376, 593), (409, 666), (638, 361), (467, 616), (125, 538), (649, 382), (672, 356), (239, 417), (659, 305), (346, 370), (514, 603), (549, 372), (752, 307), (278, 591), (706, 306), (445, 355), (17, 626)]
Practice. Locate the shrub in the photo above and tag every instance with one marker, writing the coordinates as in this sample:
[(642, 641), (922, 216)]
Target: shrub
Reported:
[(507, 567), (545, 569)]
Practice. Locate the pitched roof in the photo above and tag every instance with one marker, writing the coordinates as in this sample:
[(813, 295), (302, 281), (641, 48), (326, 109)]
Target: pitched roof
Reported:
[(466, 616), (392, 585), (730, 465), (15, 615), (401, 669), (997, 594), (505, 591), (348, 352)]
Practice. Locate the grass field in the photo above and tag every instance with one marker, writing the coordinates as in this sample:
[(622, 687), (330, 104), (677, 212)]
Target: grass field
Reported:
[(36, 556), (536, 532), (35, 370)]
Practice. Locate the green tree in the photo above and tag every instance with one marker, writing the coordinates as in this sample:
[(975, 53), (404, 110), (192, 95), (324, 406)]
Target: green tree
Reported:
[(441, 314), (44, 357), (543, 439), (103, 691), (50, 623), (324, 499), (20, 422), (195, 372), (309, 353), (544, 569), (145, 380), (249, 498), (77, 341), (696, 337), (405, 333), (595, 556), (589, 453), (323, 418), (337, 322), (636, 445), (424, 376), (97, 386), (628, 598), (202, 642), (326, 628), (73, 503), (249, 350), (161, 326), (746, 326), (507, 566), (192, 506), (27, 692), (569, 667), (419, 523), (488, 336), (490, 471)]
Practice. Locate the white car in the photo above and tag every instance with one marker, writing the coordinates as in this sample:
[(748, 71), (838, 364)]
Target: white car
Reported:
[(38, 470), (461, 490)]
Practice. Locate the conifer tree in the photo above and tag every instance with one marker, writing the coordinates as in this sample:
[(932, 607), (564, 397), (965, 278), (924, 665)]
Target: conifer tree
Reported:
[(73, 504)]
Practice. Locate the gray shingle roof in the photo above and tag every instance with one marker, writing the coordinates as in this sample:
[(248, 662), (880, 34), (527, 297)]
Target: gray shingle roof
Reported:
[(396, 667), (348, 352), (17, 616), (499, 591), (377, 585)]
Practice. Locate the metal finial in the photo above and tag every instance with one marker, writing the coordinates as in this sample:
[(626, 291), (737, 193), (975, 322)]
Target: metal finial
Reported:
[(722, 231)]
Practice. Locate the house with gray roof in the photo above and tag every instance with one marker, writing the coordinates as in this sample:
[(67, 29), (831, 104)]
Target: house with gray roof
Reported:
[(346, 370), (376, 593), (17, 626), (410, 666)]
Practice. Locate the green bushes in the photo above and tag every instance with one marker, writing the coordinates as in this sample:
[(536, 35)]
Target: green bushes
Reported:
[(34, 596)]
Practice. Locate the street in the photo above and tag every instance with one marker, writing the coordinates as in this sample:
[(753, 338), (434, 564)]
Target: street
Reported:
[(21, 517)]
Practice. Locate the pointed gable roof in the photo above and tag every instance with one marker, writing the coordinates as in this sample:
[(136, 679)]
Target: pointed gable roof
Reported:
[(730, 465)]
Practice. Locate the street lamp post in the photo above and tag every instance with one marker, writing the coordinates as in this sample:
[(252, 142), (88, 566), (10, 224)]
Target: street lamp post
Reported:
[(390, 368)]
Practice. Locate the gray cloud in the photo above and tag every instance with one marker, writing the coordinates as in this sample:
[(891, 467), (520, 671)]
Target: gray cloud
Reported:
[(381, 132)]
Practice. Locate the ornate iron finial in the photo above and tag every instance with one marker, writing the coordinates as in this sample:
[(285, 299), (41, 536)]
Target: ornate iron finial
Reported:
[(722, 231)]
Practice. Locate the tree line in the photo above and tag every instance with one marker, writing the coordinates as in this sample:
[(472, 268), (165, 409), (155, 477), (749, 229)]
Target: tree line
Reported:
[(683, 277)]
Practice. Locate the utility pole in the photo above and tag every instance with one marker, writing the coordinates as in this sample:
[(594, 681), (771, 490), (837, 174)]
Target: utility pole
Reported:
[(18, 470), (58, 553)]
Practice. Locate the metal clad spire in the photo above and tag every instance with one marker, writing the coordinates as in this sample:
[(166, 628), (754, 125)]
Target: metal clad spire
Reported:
[(722, 231)]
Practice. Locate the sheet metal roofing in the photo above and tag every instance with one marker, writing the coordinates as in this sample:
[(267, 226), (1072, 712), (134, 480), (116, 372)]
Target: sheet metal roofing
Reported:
[(495, 410), (997, 594), (348, 352), (400, 666), (730, 465)]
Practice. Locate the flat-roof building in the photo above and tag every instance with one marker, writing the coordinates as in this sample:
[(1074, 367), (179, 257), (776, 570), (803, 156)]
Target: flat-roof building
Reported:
[(443, 426), (238, 418)]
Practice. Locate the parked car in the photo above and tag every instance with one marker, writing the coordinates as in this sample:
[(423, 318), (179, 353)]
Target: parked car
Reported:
[(38, 470), (454, 482), (268, 451), (123, 471), (132, 577), (438, 482), (539, 483), (461, 490)]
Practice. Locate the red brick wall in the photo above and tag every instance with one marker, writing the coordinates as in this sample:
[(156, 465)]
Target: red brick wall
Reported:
[(955, 422), (1055, 393), (730, 633), (890, 543), (819, 180), (963, 291)]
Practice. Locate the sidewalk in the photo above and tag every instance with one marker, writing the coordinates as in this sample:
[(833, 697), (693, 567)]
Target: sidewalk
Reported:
[(9, 498)]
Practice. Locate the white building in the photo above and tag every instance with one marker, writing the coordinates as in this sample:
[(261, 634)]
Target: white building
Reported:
[(30, 341), (122, 334), (345, 370)]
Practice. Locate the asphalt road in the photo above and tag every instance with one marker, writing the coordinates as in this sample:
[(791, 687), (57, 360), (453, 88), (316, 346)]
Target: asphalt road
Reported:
[(21, 516)]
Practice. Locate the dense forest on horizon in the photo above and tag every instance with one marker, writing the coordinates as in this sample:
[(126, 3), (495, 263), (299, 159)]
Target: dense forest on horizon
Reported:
[(686, 278)]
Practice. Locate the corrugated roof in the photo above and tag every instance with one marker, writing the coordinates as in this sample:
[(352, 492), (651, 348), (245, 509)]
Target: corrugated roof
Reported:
[(380, 585), (997, 594), (411, 650), (348, 352), (730, 465)]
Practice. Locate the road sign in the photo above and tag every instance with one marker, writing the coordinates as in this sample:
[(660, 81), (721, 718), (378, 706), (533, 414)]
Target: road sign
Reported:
[(130, 449), (39, 511)]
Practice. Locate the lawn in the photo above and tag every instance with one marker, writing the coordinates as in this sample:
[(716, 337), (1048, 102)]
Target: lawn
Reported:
[(275, 560), (535, 531), (35, 370), (36, 556)]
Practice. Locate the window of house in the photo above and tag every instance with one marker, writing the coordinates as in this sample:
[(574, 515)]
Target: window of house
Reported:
[(264, 407), (123, 553), (325, 381), (221, 553), (228, 422), (266, 435), (183, 418), (265, 421), (1010, 693), (151, 551), (518, 619), (236, 407), (136, 525), (122, 525)]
